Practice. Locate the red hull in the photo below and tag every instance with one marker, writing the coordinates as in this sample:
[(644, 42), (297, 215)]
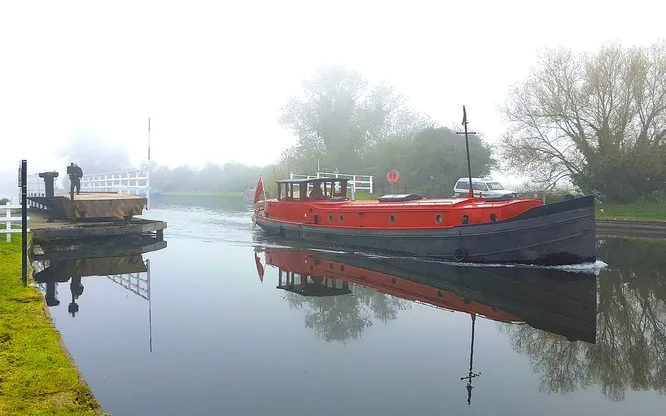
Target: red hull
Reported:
[(420, 214)]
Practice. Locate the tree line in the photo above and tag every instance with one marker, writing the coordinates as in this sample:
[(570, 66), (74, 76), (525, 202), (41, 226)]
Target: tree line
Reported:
[(592, 122)]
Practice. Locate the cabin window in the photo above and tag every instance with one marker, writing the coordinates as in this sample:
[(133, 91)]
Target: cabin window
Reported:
[(465, 219), (330, 218), (317, 190), (392, 219), (493, 217), (342, 218), (438, 218), (293, 191)]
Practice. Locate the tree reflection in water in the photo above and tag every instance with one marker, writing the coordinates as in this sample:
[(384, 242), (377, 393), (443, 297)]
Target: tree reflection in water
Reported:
[(345, 317), (630, 352)]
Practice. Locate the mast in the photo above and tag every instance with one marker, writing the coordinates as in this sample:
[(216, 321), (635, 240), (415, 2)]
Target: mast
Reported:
[(470, 193)]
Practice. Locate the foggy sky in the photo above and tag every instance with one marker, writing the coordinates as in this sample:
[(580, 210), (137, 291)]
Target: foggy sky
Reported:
[(212, 76)]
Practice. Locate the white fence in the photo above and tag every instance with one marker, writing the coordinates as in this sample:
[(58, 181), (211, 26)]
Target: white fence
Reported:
[(9, 220), (361, 183), (35, 188), (135, 182)]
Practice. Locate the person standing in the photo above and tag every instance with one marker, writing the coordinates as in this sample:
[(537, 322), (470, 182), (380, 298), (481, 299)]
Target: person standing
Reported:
[(75, 174)]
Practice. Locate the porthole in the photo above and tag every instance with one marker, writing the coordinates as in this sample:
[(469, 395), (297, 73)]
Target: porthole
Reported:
[(330, 265), (493, 217), (342, 268), (439, 293), (438, 219), (330, 218), (465, 219), (393, 280), (392, 219), (342, 218)]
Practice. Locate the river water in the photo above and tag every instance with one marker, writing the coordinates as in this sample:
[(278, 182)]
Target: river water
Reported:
[(222, 321)]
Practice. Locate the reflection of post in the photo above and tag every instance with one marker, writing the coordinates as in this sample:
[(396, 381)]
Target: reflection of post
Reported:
[(76, 289), (51, 292), (471, 375), (150, 309)]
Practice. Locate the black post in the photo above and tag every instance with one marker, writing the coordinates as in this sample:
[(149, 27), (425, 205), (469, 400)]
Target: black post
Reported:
[(24, 222)]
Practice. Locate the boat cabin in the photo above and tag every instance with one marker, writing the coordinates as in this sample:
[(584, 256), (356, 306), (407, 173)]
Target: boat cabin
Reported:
[(318, 189)]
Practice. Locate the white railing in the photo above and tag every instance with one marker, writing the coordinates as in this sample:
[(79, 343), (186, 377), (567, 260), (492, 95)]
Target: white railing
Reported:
[(127, 182), (35, 187), (360, 183), (8, 219)]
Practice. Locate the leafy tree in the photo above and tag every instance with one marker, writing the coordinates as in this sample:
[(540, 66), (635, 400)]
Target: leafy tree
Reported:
[(597, 119), (436, 157), (341, 116)]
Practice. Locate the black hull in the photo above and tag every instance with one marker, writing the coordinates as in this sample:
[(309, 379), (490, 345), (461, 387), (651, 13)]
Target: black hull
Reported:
[(556, 301), (562, 233)]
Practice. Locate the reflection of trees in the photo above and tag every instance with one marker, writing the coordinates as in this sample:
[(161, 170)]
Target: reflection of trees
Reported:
[(344, 317), (630, 352)]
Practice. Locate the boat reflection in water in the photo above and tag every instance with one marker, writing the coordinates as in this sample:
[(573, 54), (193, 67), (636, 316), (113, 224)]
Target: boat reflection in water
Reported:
[(552, 300)]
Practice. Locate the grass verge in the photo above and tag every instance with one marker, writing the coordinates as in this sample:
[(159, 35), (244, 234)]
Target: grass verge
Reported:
[(36, 375), (637, 212)]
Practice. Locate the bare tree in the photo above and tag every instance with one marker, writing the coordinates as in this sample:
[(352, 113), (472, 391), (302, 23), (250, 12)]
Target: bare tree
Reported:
[(598, 119)]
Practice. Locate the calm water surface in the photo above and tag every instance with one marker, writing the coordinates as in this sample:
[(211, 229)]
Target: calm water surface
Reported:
[(222, 322)]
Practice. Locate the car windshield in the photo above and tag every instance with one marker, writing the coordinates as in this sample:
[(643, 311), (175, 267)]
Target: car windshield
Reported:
[(477, 186), (495, 186)]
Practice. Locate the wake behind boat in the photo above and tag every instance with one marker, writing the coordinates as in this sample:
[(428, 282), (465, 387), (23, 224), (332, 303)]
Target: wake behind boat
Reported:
[(473, 229)]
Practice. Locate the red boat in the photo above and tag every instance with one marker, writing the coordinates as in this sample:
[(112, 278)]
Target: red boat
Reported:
[(552, 300), (479, 230)]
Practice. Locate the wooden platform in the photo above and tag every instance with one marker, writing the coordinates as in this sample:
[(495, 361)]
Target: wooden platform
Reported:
[(92, 205)]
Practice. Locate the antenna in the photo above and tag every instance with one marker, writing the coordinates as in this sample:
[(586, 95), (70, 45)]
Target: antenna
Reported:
[(148, 140), (470, 193)]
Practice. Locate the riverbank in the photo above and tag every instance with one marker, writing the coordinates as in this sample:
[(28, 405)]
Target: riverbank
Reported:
[(205, 193), (37, 376), (638, 212)]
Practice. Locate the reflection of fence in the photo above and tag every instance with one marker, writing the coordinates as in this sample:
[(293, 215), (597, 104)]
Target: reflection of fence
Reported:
[(362, 183), (8, 220), (135, 282), (138, 283)]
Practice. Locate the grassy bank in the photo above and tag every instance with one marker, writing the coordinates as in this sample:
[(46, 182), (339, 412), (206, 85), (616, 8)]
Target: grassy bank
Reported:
[(36, 376), (640, 212)]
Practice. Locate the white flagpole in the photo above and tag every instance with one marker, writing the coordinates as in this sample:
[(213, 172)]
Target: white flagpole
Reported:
[(263, 187)]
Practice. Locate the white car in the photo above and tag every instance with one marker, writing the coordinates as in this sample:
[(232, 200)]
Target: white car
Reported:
[(481, 187)]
